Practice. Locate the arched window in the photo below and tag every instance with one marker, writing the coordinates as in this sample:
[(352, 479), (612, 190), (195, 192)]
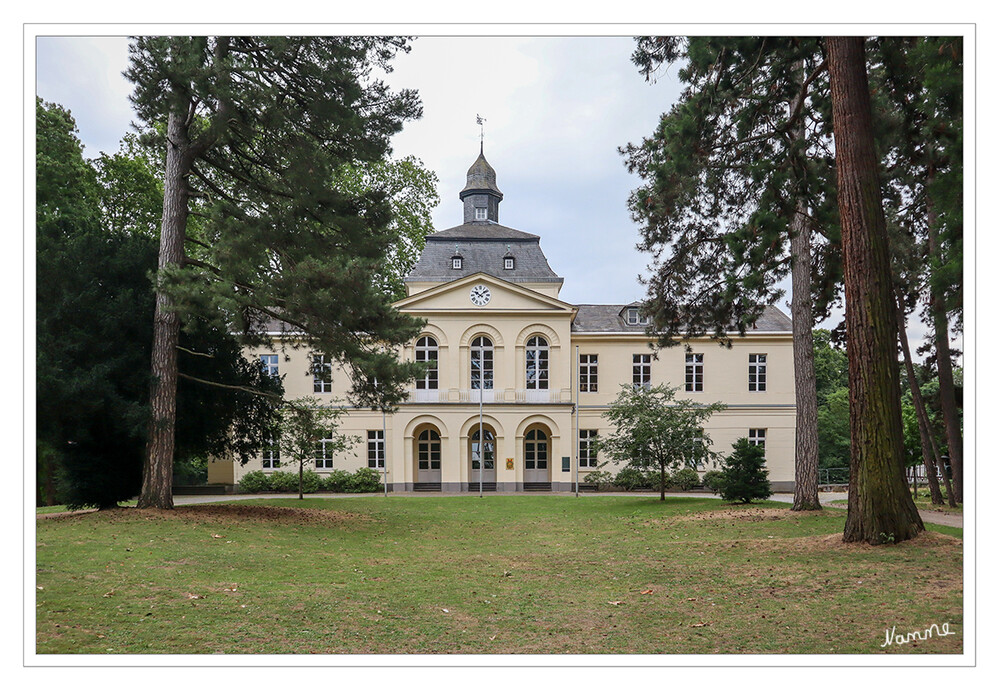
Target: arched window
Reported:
[(487, 452), (428, 450), (537, 363), (536, 450), (482, 363), (426, 353)]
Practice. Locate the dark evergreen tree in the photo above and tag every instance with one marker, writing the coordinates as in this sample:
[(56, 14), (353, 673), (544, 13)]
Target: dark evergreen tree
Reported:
[(256, 130), (744, 474), (738, 180)]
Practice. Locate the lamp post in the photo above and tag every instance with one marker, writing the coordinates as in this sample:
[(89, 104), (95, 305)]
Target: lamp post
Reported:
[(576, 411)]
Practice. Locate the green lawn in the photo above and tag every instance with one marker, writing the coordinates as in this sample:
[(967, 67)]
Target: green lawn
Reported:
[(502, 574)]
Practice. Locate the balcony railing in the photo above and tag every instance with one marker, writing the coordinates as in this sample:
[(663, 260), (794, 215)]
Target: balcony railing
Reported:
[(489, 395)]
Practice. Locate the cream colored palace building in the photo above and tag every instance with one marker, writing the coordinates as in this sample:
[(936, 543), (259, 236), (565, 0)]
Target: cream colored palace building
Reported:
[(493, 313)]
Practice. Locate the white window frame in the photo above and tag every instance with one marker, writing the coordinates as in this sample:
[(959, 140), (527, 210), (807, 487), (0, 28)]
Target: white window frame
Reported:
[(269, 363), (588, 376), (481, 346), (758, 372), (427, 350), (270, 454), (456, 263), (508, 263), (537, 352), (758, 437), (587, 452), (641, 371), (322, 383), (376, 449), (481, 213), (693, 380), (324, 455)]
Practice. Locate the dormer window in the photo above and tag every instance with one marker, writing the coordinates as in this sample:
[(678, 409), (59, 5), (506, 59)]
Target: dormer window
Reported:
[(634, 319), (456, 263), (480, 213), (508, 263)]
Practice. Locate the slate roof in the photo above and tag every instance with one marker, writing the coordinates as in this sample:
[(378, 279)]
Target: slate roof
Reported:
[(606, 318), (483, 246)]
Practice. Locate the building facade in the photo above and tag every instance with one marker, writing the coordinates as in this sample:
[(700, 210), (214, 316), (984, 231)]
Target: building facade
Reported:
[(518, 380)]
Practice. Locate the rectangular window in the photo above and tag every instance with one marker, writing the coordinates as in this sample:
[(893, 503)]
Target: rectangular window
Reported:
[(641, 371), (757, 373), (376, 449), (456, 263), (697, 451), (480, 214), (588, 373), (636, 319), (322, 374), (587, 448), (508, 263), (694, 377), (271, 454), (324, 454), (758, 437), (269, 364)]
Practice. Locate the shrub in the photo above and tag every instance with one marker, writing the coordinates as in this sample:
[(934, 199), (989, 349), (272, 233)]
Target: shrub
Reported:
[(311, 482), (744, 476), (254, 483), (190, 471), (712, 480), (337, 482), (364, 481), (598, 478), (685, 479), (631, 479), (285, 482)]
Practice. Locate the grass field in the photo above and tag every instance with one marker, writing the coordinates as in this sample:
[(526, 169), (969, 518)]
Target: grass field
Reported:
[(502, 574)]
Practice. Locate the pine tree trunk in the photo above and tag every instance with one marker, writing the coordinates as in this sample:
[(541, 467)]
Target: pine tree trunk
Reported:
[(945, 372), (879, 509), (806, 438), (157, 472), (930, 457)]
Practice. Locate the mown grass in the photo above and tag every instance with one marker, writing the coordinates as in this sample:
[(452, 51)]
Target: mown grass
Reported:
[(502, 574)]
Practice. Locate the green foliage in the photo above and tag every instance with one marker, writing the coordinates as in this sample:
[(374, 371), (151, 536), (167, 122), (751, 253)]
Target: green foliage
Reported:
[(304, 425), (632, 479), (254, 482), (724, 172), (284, 482), (834, 430), (190, 471), (412, 192), (94, 321), (655, 430), (337, 482), (364, 481), (130, 189), (311, 482), (712, 480), (271, 121), (598, 478), (684, 479), (744, 474)]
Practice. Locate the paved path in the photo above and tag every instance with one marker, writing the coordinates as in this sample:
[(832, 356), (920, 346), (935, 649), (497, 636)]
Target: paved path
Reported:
[(825, 498)]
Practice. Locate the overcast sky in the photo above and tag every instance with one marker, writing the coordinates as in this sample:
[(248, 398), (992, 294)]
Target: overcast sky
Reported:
[(556, 110)]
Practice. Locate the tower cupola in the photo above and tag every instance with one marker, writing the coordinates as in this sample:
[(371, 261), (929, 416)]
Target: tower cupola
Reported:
[(481, 196)]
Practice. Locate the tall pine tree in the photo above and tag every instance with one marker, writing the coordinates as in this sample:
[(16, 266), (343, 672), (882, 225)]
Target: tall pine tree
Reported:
[(256, 129)]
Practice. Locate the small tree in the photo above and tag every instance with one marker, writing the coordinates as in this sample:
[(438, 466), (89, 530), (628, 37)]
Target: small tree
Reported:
[(744, 473), (305, 427), (656, 431)]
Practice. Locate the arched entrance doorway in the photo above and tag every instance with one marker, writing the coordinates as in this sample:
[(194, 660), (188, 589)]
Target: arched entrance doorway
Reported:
[(484, 452), (428, 457), (537, 452)]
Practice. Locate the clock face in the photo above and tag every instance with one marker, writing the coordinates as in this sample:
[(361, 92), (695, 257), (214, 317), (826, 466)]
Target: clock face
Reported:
[(480, 295)]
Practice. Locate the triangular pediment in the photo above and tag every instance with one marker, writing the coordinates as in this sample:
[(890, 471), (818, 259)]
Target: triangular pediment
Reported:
[(502, 296)]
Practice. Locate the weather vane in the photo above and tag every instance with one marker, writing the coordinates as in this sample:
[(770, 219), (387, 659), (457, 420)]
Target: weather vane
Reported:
[(482, 132)]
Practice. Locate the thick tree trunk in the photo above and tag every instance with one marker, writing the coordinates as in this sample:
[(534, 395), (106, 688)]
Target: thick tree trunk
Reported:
[(945, 372), (879, 509), (157, 473), (931, 459), (806, 438)]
